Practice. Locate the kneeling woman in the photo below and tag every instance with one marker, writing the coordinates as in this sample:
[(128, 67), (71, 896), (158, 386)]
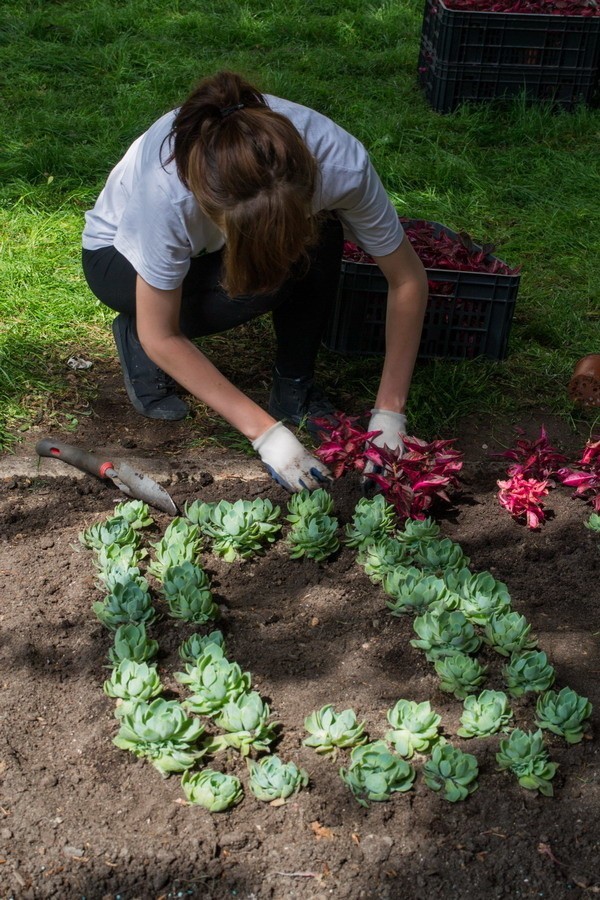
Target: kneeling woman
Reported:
[(234, 205)]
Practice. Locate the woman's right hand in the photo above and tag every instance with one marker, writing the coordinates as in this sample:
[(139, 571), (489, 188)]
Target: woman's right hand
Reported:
[(288, 462)]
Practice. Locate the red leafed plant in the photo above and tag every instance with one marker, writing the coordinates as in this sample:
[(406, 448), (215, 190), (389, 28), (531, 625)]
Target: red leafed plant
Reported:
[(546, 7), (522, 497), (536, 459), (411, 482), (586, 481), (348, 447), (438, 250)]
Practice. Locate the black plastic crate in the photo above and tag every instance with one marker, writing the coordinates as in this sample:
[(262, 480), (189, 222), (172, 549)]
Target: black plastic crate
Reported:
[(468, 55), (468, 314)]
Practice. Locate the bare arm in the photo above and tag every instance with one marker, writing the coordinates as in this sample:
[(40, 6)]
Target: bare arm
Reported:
[(157, 315), (406, 303)]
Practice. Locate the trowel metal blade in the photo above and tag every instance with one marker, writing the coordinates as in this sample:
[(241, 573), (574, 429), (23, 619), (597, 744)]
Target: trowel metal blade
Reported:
[(142, 487)]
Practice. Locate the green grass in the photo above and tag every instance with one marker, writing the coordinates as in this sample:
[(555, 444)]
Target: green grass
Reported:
[(80, 80)]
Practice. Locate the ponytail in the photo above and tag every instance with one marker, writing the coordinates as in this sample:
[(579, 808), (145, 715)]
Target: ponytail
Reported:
[(253, 175)]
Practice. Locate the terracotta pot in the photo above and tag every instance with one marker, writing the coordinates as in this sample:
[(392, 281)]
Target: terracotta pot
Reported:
[(584, 386)]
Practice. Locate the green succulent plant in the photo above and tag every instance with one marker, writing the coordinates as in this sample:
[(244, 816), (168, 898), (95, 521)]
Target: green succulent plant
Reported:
[(593, 523), (195, 646), (119, 572), (418, 532), (381, 557), (187, 592), (315, 537), (238, 530), (418, 595), (329, 731), (113, 532), (437, 556), (271, 779), (213, 681), (133, 681), (127, 603), (245, 720), (485, 714), (135, 512), (524, 754), (460, 675), (162, 732), (509, 633), (373, 519), (180, 543), (443, 633), (451, 772), (481, 595), (132, 642), (415, 727), (213, 790), (528, 671), (564, 713), (305, 504), (123, 556), (375, 773)]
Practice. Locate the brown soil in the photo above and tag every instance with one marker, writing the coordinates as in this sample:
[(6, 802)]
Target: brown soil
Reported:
[(81, 819)]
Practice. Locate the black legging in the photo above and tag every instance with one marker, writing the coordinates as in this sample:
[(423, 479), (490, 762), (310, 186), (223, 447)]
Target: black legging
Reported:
[(300, 308)]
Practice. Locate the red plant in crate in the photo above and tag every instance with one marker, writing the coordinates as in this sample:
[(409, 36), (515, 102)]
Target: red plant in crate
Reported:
[(536, 459), (546, 7), (523, 497), (586, 481), (347, 447)]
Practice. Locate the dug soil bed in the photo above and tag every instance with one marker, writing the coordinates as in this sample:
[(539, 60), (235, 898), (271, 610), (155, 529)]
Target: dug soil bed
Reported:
[(81, 819)]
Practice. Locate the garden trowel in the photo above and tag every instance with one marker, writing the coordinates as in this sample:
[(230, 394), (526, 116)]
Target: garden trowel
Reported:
[(132, 483)]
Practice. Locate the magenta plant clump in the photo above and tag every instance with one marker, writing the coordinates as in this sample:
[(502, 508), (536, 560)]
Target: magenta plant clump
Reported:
[(438, 250), (545, 7), (538, 466), (585, 479), (410, 480)]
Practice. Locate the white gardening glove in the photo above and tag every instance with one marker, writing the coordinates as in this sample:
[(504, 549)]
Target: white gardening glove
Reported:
[(287, 461), (392, 426)]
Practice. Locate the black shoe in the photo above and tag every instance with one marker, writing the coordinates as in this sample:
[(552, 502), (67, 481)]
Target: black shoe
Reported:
[(300, 401), (151, 391)]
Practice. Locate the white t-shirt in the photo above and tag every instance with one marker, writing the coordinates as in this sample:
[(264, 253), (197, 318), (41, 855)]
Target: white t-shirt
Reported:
[(149, 216)]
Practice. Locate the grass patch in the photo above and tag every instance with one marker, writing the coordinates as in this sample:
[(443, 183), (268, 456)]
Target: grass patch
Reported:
[(79, 81)]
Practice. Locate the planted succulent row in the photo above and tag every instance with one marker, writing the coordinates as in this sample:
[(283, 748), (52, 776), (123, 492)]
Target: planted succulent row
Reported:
[(378, 769), (167, 732), (456, 611)]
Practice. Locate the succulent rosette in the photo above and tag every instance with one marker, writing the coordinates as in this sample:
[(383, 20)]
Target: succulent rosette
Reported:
[(374, 518), (485, 714), (246, 721), (509, 633), (564, 713), (437, 556), (329, 731), (238, 530), (135, 512), (213, 790), (114, 532), (187, 591), (133, 681), (524, 754), (415, 727), (132, 642), (460, 674), (381, 557), (451, 772), (375, 773), (180, 543), (213, 681), (445, 633), (127, 603), (418, 595), (271, 779), (315, 537), (528, 671), (197, 645), (162, 732), (305, 504)]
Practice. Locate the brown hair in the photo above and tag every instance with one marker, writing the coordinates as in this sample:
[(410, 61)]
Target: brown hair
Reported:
[(253, 175)]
